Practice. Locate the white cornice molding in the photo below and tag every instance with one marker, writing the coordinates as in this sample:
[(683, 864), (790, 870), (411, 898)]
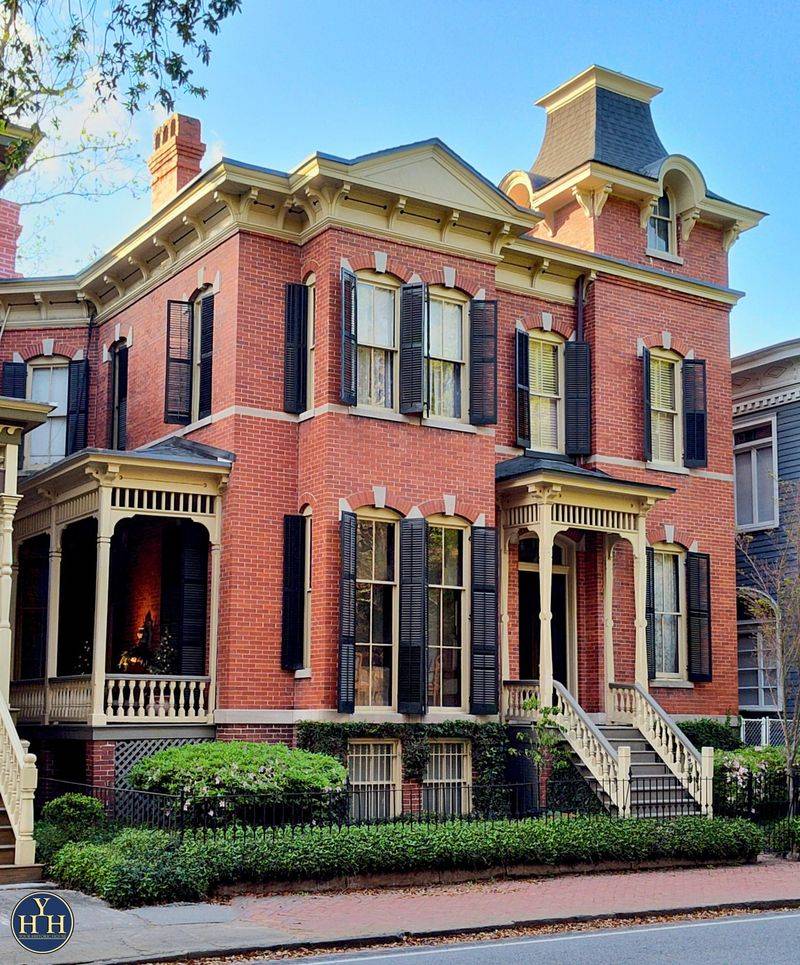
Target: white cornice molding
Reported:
[(768, 401)]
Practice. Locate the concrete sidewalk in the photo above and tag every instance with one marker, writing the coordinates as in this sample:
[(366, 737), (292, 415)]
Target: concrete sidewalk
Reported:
[(254, 923)]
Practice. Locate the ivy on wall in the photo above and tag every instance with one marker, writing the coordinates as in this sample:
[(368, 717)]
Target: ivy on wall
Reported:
[(490, 743)]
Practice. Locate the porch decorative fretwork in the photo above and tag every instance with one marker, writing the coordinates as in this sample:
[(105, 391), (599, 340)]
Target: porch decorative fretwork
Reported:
[(175, 480)]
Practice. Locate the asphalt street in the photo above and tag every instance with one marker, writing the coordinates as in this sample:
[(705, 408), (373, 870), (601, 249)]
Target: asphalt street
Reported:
[(773, 938)]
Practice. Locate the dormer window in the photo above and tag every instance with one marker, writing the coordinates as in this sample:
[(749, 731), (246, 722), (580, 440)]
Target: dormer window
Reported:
[(661, 227)]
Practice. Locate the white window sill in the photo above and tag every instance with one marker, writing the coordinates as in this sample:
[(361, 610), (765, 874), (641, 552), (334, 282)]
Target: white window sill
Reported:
[(757, 528), (672, 684), (663, 256), (435, 422), (304, 673), (672, 467), (389, 415)]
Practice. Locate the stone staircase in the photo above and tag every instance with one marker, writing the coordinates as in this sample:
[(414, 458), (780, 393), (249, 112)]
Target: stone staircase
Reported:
[(11, 873), (654, 789)]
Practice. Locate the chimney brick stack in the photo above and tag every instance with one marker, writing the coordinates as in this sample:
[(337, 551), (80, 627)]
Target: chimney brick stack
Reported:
[(10, 230), (176, 157)]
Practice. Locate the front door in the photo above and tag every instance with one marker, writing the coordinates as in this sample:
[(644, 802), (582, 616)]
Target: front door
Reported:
[(529, 606)]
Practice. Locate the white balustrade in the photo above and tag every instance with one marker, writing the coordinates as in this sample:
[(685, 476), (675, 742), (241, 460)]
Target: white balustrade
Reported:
[(516, 693), (131, 698), (631, 704), (28, 699), (69, 698), (17, 786)]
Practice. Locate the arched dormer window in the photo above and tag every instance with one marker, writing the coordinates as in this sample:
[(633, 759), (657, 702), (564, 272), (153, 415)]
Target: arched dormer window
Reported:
[(661, 233)]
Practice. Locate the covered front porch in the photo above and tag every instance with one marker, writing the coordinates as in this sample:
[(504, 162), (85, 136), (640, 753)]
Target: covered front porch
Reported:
[(574, 584), (117, 558)]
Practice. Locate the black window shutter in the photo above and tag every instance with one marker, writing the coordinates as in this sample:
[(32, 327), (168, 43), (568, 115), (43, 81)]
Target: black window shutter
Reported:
[(412, 689), (118, 398), (647, 424), (695, 418), (483, 362), (178, 393), (413, 323), (349, 378), (294, 591), (347, 614), (206, 356), (698, 599), (578, 398), (521, 367), (184, 599), (295, 348), (484, 673), (650, 613), (78, 405), (15, 379)]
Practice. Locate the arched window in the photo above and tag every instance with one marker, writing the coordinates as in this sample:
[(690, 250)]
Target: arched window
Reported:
[(446, 350), (190, 348), (665, 406), (661, 236), (377, 340), (546, 375), (48, 381)]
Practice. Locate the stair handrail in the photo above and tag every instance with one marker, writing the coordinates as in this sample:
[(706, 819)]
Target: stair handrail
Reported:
[(610, 769), (694, 770), (18, 777)]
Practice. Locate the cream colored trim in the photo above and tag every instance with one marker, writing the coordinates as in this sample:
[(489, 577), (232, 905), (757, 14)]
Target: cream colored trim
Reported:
[(600, 458), (256, 716), (594, 77), (766, 402)]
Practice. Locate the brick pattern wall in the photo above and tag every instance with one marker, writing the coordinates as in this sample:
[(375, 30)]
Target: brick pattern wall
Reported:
[(100, 762), (268, 733), (10, 230)]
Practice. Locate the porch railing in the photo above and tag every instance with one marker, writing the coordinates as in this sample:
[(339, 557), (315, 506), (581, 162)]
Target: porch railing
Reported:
[(18, 777), (136, 698), (631, 704), (515, 694), (127, 698)]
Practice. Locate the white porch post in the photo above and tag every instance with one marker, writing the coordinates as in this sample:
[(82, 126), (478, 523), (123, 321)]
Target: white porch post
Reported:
[(105, 530), (8, 507), (609, 542), (546, 534), (640, 592), (213, 626), (53, 600)]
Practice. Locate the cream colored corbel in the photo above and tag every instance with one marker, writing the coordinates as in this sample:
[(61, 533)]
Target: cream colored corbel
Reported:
[(161, 242), (141, 264), (246, 202), (584, 199), (41, 302), (341, 193), (284, 209), (398, 208), (731, 235), (85, 296), (600, 196), (500, 237), (197, 223), (110, 279), (646, 209), (448, 222), (689, 219), (539, 269)]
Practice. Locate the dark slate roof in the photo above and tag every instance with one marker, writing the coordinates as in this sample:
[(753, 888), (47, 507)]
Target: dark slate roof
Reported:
[(600, 125), (185, 450), (533, 462)]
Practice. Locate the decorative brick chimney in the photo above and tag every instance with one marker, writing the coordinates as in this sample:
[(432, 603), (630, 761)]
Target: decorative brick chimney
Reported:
[(176, 157), (10, 230)]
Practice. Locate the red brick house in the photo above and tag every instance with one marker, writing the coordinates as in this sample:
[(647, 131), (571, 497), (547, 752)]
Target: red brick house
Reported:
[(376, 440)]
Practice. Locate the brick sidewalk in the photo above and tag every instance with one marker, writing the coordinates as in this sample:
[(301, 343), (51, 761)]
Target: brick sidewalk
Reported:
[(254, 923)]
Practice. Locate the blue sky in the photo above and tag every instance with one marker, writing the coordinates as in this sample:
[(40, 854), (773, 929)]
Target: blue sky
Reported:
[(287, 79)]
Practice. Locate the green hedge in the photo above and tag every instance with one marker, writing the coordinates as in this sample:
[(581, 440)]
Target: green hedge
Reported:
[(71, 817), (143, 867), (706, 732), (213, 769)]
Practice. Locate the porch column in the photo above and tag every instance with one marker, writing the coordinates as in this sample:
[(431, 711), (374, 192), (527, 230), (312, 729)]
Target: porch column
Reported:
[(53, 602), (105, 530), (609, 541), (213, 625), (8, 507), (640, 592), (546, 535)]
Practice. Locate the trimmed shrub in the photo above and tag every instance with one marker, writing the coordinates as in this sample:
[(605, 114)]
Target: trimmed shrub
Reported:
[(218, 769), (148, 866), (71, 817), (706, 732)]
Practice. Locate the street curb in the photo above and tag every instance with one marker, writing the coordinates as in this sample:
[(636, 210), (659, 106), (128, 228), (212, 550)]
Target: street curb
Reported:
[(387, 938)]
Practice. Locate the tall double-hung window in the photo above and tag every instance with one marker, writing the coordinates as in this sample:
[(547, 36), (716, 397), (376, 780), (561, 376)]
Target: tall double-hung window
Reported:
[(190, 355), (446, 592), (756, 475), (377, 308), (445, 358), (376, 592)]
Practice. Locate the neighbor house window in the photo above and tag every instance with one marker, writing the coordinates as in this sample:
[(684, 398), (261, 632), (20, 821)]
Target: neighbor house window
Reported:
[(376, 344), (445, 358), (445, 615), (661, 227), (758, 670), (756, 475), (665, 406), (48, 381), (446, 785), (373, 771), (376, 590), (668, 595), (546, 396)]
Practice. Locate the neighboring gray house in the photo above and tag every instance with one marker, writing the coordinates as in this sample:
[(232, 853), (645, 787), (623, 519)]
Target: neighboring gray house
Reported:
[(766, 434)]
